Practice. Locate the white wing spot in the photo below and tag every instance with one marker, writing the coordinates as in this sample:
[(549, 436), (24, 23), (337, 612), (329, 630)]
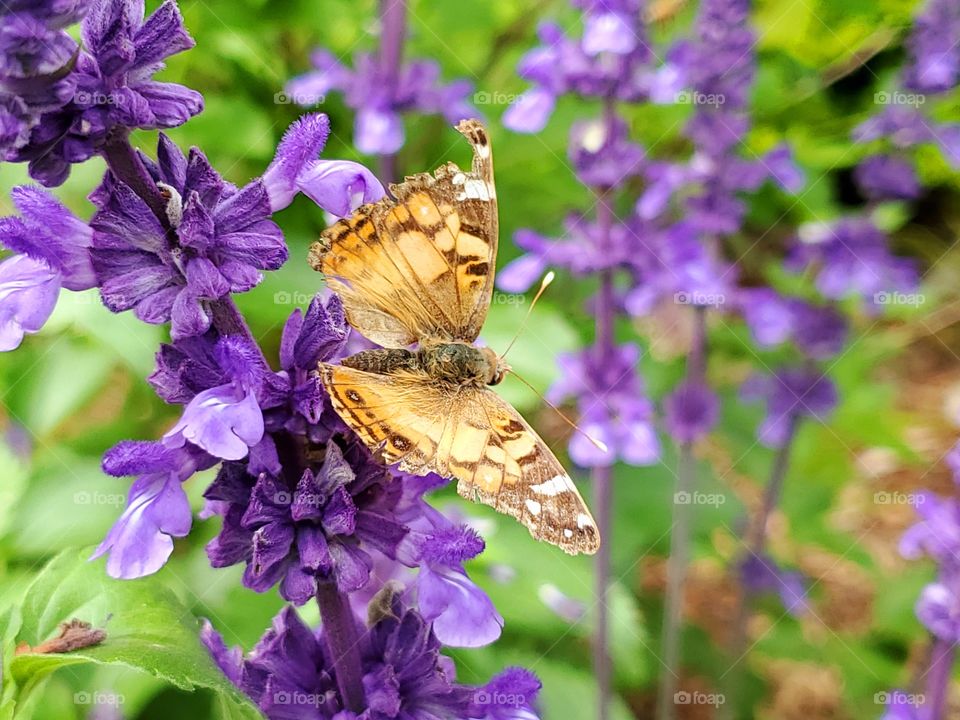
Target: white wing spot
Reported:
[(474, 189), (554, 486), (459, 179), (534, 507), (567, 533), (584, 520)]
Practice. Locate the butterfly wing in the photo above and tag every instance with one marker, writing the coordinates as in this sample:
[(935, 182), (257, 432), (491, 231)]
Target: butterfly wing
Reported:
[(471, 434), (421, 266)]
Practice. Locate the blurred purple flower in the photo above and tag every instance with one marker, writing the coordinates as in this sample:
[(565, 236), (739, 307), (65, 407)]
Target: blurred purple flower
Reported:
[(761, 574), (789, 393), (602, 158), (690, 411), (510, 695), (28, 295), (114, 89), (937, 534), (885, 177), (381, 95), (938, 608), (612, 406), (934, 53)]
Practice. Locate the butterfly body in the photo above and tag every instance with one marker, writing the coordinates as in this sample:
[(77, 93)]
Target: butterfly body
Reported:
[(418, 270)]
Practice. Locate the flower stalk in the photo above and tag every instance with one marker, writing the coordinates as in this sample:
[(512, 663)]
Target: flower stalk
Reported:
[(344, 644), (680, 537)]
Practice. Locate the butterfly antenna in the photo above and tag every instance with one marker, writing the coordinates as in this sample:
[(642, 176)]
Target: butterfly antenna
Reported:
[(600, 445), (544, 284)]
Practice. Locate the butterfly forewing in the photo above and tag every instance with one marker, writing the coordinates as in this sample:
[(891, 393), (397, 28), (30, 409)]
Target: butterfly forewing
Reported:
[(420, 266)]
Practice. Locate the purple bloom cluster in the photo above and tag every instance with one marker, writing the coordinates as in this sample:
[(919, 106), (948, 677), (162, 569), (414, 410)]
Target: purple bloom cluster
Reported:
[(112, 89), (380, 94), (304, 506), (290, 674)]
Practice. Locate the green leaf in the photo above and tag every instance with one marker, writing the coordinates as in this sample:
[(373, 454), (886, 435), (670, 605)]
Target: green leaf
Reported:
[(148, 630)]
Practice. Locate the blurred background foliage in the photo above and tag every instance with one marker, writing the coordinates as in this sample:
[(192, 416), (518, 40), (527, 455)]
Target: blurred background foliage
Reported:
[(78, 387)]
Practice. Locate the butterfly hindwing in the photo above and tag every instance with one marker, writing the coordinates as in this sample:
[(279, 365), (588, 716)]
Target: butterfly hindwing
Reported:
[(470, 434), (422, 265)]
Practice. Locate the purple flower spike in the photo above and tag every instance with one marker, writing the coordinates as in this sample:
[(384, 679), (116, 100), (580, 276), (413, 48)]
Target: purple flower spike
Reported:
[(937, 609), (114, 87), (28, 294), (789, 393)]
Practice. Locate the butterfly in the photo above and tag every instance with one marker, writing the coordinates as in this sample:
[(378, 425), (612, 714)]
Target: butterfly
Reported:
[(419, 269)]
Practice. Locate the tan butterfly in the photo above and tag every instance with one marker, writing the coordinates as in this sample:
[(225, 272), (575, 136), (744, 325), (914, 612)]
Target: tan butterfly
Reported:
[(420, 270)]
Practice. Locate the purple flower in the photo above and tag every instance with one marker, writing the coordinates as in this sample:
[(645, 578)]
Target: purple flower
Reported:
[(938, 608), (886, 177), (510, 695), (219, 240), (157, 511), (404, 673), (789, 393), (321, 526), (380, 95), (852, 257), (114, 87), (934, 53), (902, 706), (761, 574), (54, 246), (691, 411), (461, 613), (338, 186), (610, 60), (937, 534), (612, 407), (604, 159)]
